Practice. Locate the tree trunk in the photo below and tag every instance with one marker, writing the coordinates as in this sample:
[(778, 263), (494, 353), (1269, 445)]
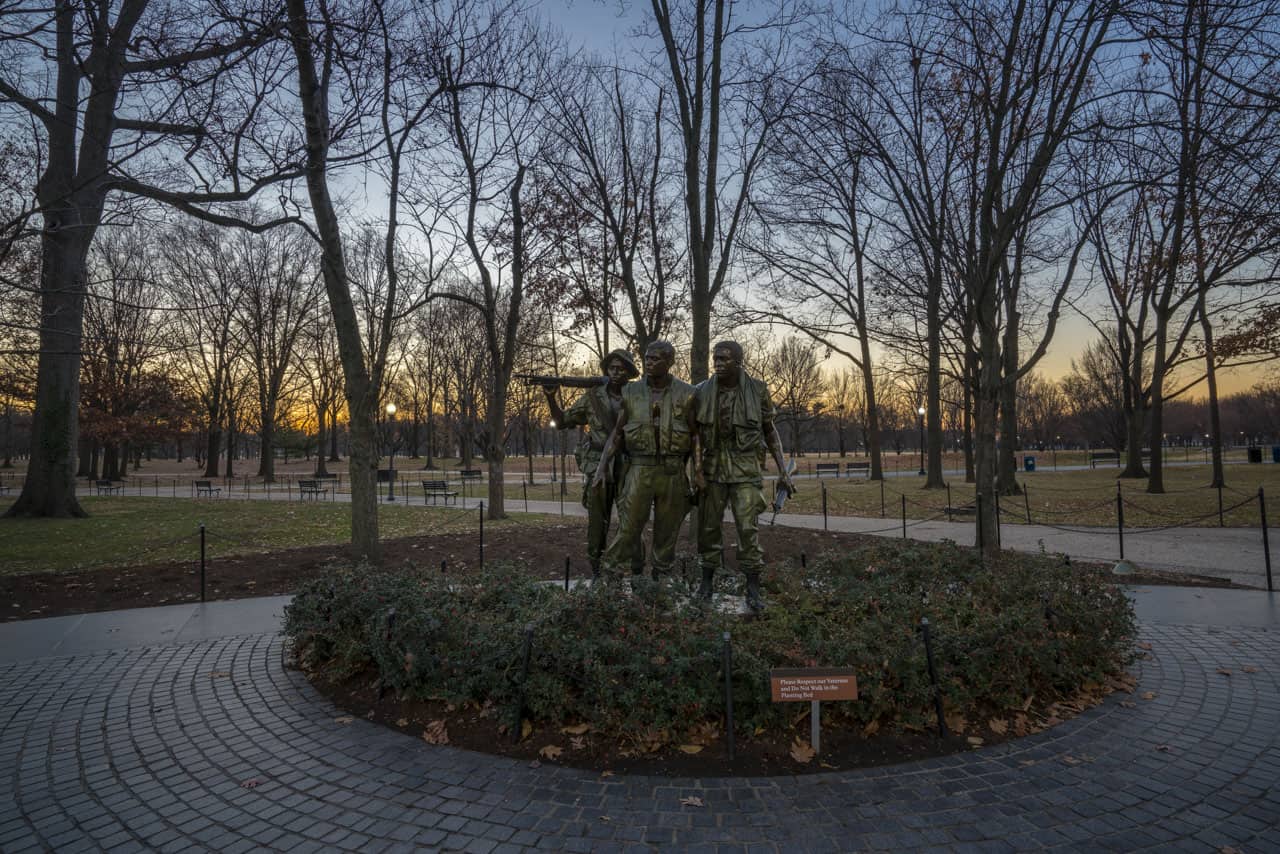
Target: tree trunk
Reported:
[(49, 488), (320, 471), (933, 391), (1215, 414), (267, 449), (333, 435), (1007, 465), (85, 453), (214, 450), (873, 413)]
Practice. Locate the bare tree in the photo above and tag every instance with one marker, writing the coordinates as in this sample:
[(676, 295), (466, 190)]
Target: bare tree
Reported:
[(793, 371), (111, 92)]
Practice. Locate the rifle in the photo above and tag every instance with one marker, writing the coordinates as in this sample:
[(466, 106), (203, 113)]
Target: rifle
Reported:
[(780, 492), (567, 382)]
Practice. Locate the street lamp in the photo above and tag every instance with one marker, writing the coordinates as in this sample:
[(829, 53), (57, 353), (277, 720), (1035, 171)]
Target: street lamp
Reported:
[(920, 412), (555, 449), (391, 470), (1057, 440)]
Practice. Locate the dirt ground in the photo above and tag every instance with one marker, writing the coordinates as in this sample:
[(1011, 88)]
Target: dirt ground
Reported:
[(543, 550)]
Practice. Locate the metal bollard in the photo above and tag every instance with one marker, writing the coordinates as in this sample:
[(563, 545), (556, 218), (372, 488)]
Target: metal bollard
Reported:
[(524, 681), (482, 535), (202, 561), (1120, 518), (728, 692), (566, 573), (1266, 542), (933, 678), (1026, 502), (881, 496), (824, 506)]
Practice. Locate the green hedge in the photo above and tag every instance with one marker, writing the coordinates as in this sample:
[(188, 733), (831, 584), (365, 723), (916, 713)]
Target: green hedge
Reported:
[(1027, 627)]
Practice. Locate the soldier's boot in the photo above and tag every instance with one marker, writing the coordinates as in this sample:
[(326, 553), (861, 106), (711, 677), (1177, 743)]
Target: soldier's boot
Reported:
[(754, 600), (708, 579)]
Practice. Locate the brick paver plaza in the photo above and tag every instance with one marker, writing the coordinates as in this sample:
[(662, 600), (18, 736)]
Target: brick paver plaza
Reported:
[(216, 745)]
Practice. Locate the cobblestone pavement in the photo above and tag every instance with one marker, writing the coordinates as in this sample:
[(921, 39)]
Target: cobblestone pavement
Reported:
[(216, 745)]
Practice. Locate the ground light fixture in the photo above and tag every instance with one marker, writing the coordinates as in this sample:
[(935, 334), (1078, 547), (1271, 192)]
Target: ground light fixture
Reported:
[(391, 470), (920, 412)]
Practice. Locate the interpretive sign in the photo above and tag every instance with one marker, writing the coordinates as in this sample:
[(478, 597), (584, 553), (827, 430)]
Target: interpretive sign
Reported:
[(798, 684)]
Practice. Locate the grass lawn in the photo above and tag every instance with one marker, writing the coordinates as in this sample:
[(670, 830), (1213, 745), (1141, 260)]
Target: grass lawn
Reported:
[(1064, 498), (135, 531)]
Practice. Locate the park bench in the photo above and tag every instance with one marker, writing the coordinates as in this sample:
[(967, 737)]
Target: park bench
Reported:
[(106, 487), (1096, 457), (827, 469), (206, 487), (433, 489), (470, 474), (312, 488), (863, 468)]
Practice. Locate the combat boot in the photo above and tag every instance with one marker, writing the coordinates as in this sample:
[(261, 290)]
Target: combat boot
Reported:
[(754, 600), (707, 585)]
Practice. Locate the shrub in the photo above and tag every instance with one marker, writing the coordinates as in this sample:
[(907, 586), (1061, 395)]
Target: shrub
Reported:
[(1020, 629)]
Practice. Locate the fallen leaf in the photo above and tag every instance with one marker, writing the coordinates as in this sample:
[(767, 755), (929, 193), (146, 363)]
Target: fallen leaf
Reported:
[(1149, 695), (344, 720), (692, 802), (526, 729), (691, 748), (801, 751), (1068, 759), (250, 784), (1248, 668), (1224, 671), (579, 729), (827, 765), (957, 722), (1027, 703), (1128, 704), (535, 764), (1144, 645), (1163, 748), (436, 733), (606, 818), (402, 722), (975, 741), (998, 725), (550, 751), (219, 674), (606, 773), (871, 729), (578, 742), (1227, 849)]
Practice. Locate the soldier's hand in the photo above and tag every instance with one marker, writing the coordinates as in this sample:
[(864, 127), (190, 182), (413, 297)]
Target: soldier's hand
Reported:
[(699, 480), (601, 477), (790, 485)]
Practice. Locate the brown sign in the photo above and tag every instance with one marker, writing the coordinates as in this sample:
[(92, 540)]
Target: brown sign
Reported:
[(813, 683)]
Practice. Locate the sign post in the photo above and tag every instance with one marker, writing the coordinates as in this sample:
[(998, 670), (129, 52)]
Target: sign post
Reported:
[(815, 684)]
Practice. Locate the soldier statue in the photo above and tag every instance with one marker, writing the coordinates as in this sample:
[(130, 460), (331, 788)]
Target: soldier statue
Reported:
[(656, 427), (597, 410), (734, 416)]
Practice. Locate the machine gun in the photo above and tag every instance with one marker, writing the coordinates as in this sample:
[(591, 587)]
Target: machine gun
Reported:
[(566, 382), (780, 491)]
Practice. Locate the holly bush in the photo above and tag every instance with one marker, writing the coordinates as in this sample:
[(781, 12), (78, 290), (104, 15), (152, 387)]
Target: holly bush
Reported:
[(1009, 637)]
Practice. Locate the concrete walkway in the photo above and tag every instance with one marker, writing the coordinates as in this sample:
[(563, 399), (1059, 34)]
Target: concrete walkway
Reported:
[(179, 728)]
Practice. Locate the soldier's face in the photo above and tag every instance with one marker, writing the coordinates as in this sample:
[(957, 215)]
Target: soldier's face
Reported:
[(657, 362), (616, 372), (723, 363)]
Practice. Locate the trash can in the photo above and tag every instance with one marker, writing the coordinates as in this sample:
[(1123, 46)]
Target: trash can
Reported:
[(1275, 453), (1255, 455), (1028, 463)]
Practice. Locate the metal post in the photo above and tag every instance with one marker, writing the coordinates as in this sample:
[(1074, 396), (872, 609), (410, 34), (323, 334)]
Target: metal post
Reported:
[(824, 506), (882, 495), (1120, 518), (524, 680), (566, 573), (904, 517), (524, 487), (815, 726), (949, 502), (1266, 543), (202, 561), (562, 494), (728, 692), (804, 561), (444, 566), (1026, 502), (933, 678), (482, 534), (1221, 523)]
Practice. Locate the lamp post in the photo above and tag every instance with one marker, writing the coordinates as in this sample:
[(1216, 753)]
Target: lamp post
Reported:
[(920, 412), (555, 450), (1057, 440), (391, 470)]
